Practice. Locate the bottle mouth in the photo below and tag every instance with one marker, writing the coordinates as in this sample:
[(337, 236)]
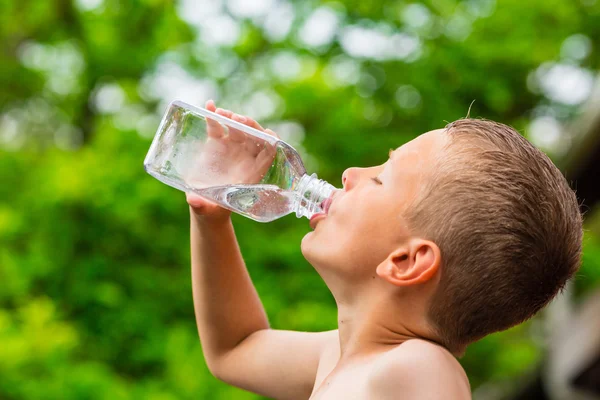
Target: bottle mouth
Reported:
[(313, 196)]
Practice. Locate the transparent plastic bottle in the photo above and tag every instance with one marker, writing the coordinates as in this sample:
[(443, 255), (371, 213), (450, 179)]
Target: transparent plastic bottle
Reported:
[(240, 168)]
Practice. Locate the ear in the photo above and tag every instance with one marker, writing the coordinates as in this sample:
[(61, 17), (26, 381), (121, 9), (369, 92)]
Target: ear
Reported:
[(413, 264)]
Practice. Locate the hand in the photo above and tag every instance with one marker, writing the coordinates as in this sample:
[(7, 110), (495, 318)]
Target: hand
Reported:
[(232, 157)]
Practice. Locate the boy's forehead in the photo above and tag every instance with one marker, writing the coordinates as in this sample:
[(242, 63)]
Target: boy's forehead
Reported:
[(426, 145), (413, 163)]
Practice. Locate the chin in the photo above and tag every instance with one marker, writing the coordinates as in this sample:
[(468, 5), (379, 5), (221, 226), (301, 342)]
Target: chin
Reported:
[(315, 250), (305, 244), (310, 248)]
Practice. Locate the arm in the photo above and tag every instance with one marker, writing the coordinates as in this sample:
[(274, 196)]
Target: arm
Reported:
[(226, 304), (238, 345)]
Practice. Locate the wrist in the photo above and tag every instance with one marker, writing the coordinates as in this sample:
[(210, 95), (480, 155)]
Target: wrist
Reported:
[(221, 218)]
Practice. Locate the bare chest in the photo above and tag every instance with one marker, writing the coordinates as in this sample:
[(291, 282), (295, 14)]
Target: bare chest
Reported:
[(349, 382), (340, 388)]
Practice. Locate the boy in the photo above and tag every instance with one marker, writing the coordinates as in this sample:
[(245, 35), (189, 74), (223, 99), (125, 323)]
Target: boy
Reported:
[(463, 232)]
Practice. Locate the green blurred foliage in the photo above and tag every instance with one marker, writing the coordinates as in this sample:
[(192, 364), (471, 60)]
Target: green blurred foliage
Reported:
[(94, 253)]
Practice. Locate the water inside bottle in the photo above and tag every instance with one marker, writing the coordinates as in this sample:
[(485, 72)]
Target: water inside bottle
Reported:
[(231, 172), (263, 203)]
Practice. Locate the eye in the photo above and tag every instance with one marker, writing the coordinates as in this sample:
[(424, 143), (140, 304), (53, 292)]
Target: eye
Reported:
[(376, 180)]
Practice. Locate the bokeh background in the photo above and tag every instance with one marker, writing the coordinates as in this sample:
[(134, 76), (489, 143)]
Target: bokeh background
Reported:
[(95, 296)]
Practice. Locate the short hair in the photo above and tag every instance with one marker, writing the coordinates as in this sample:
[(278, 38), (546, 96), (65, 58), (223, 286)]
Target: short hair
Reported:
[(508, 226)]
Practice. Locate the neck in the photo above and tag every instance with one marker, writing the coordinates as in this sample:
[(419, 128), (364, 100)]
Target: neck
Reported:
[(378, 320)]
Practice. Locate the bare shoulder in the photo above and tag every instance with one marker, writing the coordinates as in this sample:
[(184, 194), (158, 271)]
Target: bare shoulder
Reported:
[(418, 369)]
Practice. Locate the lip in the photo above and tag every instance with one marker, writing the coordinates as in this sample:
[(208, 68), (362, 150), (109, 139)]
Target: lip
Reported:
[(326, 204), (315, 219)]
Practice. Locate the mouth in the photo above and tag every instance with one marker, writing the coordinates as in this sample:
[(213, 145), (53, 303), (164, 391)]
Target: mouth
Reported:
[(326, 204)]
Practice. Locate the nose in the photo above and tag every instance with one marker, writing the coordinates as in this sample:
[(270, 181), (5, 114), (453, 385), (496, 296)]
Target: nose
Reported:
[(349, 178)]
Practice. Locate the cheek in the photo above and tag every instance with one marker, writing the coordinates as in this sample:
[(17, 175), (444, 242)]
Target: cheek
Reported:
[(364, 219)]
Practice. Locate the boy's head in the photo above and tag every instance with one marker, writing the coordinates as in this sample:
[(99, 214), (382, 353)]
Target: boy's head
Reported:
[(473, 215)]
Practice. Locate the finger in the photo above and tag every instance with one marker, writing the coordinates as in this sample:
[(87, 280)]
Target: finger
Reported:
[(251, 122), (194, 200), (213, 128), (267, 152), (199, 202), (264, 160), (255, 145), (235, 134), (223, 112), (248, 121), (270, 132), (210, 105)]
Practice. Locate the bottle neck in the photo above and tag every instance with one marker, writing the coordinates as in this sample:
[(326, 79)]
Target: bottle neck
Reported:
[(310, 194)]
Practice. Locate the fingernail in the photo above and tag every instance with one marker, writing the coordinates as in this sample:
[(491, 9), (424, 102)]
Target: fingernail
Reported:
[(239, 117)]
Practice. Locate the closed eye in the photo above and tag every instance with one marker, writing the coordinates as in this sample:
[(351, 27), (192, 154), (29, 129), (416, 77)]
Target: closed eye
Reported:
[(377, 180)]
